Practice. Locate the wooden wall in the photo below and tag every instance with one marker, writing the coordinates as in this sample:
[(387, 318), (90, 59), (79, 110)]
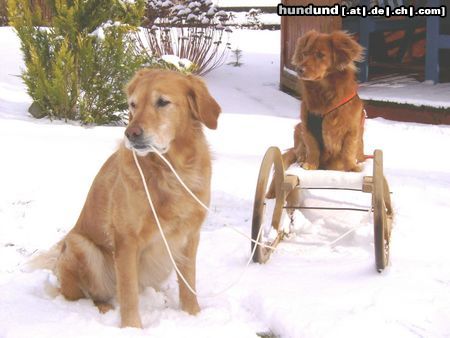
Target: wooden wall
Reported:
[(292, 27)]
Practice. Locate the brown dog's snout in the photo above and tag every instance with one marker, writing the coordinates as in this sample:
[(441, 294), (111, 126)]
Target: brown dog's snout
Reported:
[(133, 133)]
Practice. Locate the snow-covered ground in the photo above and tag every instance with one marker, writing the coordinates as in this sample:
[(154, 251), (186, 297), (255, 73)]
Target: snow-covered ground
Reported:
[(406, 90), (307, 289)]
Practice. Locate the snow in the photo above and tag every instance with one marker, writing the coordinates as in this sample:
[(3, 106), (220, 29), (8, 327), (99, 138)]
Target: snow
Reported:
[(308, 288), (211, 11), (184, 11), (180, 64), (166, 3), (240, 18), (194, 4), (404, 89), (247, 3), (99, 32), (191, 17)]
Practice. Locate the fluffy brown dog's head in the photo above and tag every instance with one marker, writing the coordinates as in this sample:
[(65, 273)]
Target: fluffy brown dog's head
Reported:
[(165, 105), (317, 54)]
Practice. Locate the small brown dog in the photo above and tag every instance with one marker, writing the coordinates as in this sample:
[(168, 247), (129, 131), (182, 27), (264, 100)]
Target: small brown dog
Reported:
[(115, 247), (330, 135)]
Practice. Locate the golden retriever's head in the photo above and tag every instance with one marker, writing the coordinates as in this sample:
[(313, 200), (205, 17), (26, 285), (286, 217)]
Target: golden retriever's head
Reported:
[(317, 54), (165, 105)]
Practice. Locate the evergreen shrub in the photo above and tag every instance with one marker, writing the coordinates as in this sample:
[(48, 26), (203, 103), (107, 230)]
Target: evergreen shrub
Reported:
[(76, 67)]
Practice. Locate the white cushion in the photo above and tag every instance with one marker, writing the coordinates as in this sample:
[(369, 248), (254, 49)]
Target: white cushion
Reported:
[(331, 178)]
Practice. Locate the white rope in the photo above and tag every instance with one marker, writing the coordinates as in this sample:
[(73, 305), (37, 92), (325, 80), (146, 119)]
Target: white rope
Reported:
[(232, 228), (166, 244), (179, 179), (204, 206), (345, 234), (257, 241)]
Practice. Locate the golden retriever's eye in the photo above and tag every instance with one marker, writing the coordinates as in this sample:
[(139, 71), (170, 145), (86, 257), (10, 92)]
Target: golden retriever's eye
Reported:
[(162, 102), (319, 55), (132, 105)]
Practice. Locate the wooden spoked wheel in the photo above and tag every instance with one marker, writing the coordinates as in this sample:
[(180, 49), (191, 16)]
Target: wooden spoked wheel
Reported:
[(382, 213), (272, 188), (272, 165)]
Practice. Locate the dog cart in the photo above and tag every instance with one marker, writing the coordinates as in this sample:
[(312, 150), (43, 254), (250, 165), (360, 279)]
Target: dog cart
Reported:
[(287, 187)]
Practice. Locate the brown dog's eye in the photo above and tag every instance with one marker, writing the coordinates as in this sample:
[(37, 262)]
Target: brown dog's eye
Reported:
[(319, 55), (132, 105), (162, 103)]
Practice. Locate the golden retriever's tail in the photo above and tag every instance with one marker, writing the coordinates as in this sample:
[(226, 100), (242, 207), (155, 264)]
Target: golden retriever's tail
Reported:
[(45, 259)]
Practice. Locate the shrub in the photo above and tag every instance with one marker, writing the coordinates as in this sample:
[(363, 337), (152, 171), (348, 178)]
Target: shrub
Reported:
[(3, 13), (253, 18), (237, 54), (192, 30), (76, 68)]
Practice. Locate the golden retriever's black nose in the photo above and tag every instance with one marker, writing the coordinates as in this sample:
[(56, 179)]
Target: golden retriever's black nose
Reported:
[(134, 133)]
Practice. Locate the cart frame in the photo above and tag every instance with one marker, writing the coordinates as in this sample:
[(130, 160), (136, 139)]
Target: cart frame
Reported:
[(284, 186)]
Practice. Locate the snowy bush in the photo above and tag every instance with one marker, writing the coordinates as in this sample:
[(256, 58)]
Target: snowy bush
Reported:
[(173, 62), (76, 68), (192, 30), (253, 18)]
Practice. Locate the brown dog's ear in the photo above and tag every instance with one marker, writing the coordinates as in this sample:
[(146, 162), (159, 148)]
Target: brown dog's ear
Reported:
[(302, 42), (202, 104), (345, 50)]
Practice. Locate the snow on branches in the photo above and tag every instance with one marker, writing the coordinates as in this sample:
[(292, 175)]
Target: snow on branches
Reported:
[(193, 30)]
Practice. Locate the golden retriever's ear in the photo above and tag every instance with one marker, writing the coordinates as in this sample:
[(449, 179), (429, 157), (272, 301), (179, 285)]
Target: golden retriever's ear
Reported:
[(202, 104), (301, 44), (345, 50)]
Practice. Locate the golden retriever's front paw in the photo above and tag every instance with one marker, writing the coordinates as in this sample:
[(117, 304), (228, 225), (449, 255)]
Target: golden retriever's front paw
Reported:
[(103, 307), (309, 166), (192, 309), (130, 320), (190, 306), (358, 168)]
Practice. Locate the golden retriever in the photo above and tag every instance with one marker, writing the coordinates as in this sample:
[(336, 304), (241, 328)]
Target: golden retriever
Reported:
[(115, 247), (330, 135)]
